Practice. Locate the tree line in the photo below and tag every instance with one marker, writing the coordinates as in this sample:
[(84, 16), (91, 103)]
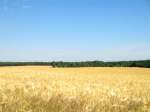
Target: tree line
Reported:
[(140, 63)]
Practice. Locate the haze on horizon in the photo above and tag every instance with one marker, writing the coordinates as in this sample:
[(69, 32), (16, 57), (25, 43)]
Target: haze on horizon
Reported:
[(74, 30)]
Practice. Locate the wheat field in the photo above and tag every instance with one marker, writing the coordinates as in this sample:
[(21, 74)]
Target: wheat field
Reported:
[(47, 89)]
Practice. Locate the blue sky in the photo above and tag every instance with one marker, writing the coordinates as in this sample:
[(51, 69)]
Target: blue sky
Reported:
[(74, 30)]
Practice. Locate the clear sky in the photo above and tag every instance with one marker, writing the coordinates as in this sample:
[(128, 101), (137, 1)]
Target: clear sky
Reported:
[(74, 30)]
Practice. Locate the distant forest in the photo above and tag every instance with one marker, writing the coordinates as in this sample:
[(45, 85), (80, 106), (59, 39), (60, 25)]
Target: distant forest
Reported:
[(141, 63)]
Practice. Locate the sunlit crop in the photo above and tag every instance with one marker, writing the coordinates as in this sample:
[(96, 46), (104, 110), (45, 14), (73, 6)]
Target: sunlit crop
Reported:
[(47, 89)]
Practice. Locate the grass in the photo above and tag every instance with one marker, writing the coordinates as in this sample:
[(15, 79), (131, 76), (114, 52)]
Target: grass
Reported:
[(46, 89)]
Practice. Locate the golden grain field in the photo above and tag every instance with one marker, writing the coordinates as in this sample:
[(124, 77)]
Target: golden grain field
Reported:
[(46, 89)]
